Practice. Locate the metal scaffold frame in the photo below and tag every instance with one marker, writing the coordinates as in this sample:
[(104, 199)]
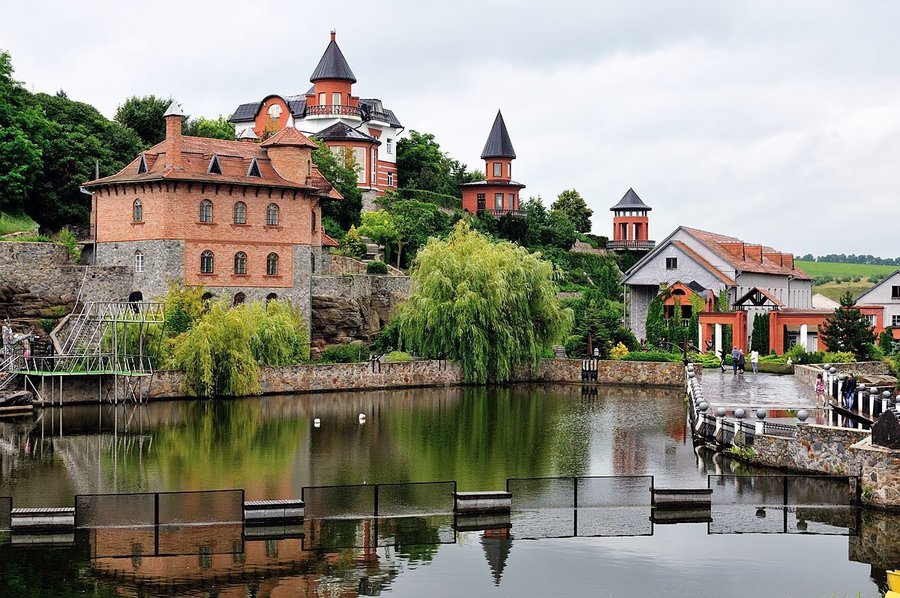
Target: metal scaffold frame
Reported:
[(104, 338)]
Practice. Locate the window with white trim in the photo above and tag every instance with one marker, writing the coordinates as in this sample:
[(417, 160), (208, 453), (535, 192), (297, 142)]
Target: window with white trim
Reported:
[(138, 261), (389, 146), (274, 111), (498, 169), (498, 201), (240, 263), (272, 264), (206, 211), (240, 213), (272, 215), (206, 262), (671, 263), (895, 320), (137, 211)]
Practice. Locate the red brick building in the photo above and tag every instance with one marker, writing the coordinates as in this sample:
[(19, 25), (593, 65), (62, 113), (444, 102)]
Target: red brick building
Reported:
[(329, 110), (631, 224), (498, 194), (240, 217)]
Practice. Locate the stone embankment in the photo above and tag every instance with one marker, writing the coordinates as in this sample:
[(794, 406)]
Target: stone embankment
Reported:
[(411, 374), (806, 374)]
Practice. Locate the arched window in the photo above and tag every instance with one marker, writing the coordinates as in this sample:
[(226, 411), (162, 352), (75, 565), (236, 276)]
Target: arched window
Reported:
[(314, 223), (206, 262), (271, 297), (272, 264), (272, 214), (240, 263), (137, 211), (206, 214), (138, 261), (240, 213), (239, 298), (135, 296), (274, 111)]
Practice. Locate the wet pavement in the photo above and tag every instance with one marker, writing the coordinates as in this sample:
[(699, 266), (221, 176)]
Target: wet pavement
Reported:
[(749, 390)]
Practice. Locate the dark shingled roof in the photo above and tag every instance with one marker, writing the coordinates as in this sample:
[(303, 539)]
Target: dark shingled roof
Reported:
[(333, 65), (498, 144), (342, 132), (369, 109), (630, 201), (245, 112)]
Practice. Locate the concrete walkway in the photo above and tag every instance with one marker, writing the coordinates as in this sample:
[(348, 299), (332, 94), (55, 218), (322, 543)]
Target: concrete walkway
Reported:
[(749, 390)]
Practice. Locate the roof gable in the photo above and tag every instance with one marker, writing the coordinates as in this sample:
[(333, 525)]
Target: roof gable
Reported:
[(890, 279), (340, 131), (498, 143), (289, 136)]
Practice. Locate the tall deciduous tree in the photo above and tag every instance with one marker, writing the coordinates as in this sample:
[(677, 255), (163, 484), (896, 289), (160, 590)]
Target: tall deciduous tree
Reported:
[(214, 128), (491, 306), (422, 165), (381, 227), (849, 330), (144, 115), (572, 204), (341, 171)]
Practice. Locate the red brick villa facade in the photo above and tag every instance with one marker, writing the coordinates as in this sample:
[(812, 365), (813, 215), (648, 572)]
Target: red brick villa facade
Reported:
[(239, 217)]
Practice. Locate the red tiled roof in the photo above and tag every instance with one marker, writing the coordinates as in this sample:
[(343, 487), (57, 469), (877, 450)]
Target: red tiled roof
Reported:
[(234, 157), (328, 241), (289, 136), (702, 261), (732, 250)]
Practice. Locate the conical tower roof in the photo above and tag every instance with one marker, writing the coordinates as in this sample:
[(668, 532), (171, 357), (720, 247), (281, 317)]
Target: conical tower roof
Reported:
[(496, 550), (498, 143), (333, 65), (630, 201)]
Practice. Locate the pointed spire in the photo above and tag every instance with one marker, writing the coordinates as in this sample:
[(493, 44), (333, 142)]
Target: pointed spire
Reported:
[(173, 110), (333, 65), (630, 201), (248, 135), (498, 143)]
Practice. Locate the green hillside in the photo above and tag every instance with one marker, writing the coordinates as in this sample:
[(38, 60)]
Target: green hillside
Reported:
[(834, 269)]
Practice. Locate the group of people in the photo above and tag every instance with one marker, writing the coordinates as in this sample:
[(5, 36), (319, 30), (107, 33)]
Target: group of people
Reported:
[(739, 360), (848, 391)]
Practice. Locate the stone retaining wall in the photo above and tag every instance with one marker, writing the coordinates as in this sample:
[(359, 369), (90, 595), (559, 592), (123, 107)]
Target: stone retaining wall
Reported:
[(806, 374), (421, 373), (879, 472), (817, 449)]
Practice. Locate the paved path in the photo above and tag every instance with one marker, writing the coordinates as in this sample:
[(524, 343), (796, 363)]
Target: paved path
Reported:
[(768, 391)]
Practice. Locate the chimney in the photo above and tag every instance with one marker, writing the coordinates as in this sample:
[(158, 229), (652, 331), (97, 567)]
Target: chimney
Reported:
[(754, 252), (174, 119), (788, 260), (333, 33)]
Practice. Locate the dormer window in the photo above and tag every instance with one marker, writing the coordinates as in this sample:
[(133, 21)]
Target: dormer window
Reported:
[(142, 167), (254, 169), (214, 167), (274, 111)]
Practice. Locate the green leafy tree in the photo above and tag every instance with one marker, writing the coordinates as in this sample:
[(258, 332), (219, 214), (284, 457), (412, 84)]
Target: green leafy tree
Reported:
[(886, 342), (214, 128), (598, 325), (341, 171), (416, 222), (572, 204), (144, 116), (657, 331), (491, 306), (759, 339), (849, 330), (381, 227), (560, 230), (422, 165), (352, 245)]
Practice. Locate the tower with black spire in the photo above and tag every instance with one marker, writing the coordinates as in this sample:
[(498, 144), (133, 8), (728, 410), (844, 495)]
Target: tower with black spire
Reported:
[(498, 194), (631, 224)]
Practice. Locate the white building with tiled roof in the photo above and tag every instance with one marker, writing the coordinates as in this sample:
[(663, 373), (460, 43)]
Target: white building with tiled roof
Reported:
[(754, 277)]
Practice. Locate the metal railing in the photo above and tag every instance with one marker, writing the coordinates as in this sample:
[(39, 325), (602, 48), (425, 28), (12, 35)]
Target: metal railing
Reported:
[(497, 212), (630, 244), (332, 110)]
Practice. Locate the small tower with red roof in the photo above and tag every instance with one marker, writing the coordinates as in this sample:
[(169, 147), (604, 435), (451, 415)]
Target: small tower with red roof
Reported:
[(498, 193), (631, 224)]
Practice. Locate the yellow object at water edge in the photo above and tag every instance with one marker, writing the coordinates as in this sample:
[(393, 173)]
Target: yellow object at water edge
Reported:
[(893, 580)]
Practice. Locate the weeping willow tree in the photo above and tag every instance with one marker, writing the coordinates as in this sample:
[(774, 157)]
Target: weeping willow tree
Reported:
[(222, 351), (490, 306)]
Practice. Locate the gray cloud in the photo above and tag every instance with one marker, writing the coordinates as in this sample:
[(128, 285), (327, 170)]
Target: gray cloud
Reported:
[(776, 122)]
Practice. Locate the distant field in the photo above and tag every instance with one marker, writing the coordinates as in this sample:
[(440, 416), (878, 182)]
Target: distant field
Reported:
[(834, 289), (817, 269)]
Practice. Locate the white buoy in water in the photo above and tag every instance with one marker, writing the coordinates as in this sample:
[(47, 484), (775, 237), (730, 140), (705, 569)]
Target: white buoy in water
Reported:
[(362, 418), (317, 423)]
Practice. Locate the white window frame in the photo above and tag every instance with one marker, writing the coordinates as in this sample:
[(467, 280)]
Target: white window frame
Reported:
[(139, 261)]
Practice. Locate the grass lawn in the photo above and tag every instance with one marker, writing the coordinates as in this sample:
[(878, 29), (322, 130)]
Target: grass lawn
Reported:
[(14, 223), (817, 269), (834, 289)]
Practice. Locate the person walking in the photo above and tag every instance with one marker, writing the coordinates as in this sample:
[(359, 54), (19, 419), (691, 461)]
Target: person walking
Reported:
[(850, 391), (742, 360), (735, 354), (754, 360), (820, 390)]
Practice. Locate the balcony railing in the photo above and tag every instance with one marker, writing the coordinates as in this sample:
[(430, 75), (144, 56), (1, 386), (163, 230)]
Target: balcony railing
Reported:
[(497, 212), (631, 244), (332, 110)]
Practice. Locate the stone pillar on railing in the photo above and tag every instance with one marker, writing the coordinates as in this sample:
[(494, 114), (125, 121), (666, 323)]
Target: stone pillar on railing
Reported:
[(832, 382), (885, 401), (840, 389), (720, 419), (738, 426), (703, 407), (860, 401), (760, 421), (872, 396), (802, 416)]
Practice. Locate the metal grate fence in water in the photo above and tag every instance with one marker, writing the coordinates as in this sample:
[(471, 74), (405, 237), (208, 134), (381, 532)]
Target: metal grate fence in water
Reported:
[(581, 506), (783, 504), (378, 500), (161, 523), (5, 513)]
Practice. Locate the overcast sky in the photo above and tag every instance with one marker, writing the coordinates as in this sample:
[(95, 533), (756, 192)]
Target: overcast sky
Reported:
[(777, 122)]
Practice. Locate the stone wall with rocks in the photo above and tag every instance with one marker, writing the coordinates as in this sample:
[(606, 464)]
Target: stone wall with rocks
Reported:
[(879, 471), (817, 449), (39, 281), (349, 308), (340, 264), (806, 374)]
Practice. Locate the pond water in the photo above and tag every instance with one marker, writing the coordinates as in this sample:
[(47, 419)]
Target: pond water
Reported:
[(271, 448)]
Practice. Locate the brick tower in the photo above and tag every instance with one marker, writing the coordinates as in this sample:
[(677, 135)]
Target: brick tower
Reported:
[(630, 224)]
